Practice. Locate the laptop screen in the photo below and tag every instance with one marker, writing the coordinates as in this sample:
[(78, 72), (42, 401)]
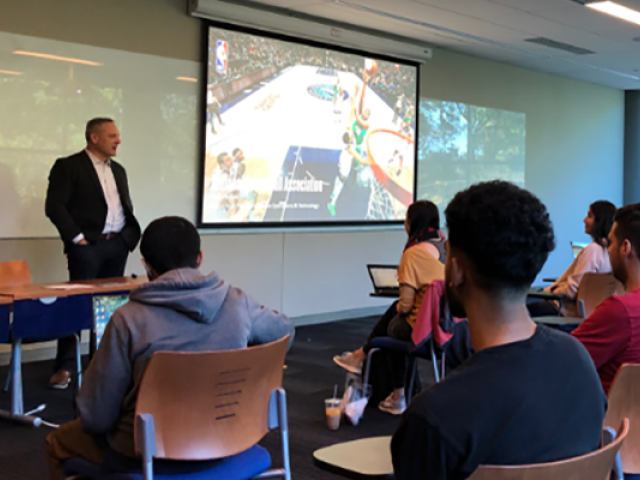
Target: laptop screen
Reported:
[(384, 277), (103, 308), (576, 248)]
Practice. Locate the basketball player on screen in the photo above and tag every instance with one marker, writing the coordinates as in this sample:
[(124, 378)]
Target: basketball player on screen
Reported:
[(336, 89), (353, 154), (397, 109)]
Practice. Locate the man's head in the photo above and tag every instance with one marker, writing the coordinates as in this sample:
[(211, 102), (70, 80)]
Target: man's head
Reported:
[(169, 243), (225, 161), (624, 241), (102, 137), (499, 238)]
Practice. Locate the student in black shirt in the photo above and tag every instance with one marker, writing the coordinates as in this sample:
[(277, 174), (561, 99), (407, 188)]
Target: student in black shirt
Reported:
[(530, 394)]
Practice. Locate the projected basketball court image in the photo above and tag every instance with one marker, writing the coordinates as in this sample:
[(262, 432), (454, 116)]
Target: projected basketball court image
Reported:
[(298, 134)]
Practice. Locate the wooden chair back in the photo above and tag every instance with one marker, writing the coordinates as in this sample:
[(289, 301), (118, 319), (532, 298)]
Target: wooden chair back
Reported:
[(213, 404), (624, 402), (592, 466), (594, 289), (14, 274)]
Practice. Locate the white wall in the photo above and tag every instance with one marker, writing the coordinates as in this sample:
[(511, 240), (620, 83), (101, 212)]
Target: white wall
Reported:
[(574, 156), (575, 135)]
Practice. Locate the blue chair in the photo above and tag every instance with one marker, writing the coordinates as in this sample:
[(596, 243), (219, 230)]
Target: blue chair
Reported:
[(199, 407)]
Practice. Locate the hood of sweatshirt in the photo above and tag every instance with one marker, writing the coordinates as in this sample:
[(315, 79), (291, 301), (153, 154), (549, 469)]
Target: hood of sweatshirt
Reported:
[(187, 291)]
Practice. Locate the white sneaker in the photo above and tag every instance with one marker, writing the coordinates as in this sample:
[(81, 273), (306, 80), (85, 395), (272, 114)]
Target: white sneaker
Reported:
[(348, 361), (394, 407)]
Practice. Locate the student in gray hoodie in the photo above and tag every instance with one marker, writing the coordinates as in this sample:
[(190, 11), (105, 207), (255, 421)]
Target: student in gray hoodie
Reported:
[(179, 310)]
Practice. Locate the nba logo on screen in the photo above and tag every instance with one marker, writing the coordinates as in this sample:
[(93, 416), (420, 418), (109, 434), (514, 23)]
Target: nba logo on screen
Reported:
[(222, 54)]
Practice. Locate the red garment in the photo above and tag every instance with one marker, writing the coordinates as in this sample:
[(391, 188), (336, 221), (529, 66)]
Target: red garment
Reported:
[(612, 335), (428, 319)]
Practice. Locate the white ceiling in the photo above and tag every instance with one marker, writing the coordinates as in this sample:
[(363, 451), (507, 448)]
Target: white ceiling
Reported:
[(496, 29)]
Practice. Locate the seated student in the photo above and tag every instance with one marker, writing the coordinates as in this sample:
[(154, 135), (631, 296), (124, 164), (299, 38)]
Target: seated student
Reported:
[(593, 259), (612, 333), (180, 309), (421, 263), (529, 394)]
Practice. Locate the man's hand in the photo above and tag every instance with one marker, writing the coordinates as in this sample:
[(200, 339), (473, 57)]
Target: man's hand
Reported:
[(83, 242)]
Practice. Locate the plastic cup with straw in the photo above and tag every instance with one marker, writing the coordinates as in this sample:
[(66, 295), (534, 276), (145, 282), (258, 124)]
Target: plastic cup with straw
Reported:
[(332, 410)]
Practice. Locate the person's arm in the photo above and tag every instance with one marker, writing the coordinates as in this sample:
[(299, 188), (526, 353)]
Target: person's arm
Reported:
[(408, 280), (407, 299), (359, 119), (352, 151), (606, 332), (267, 325), (107, 380), (588, 261), (418, 451), (56, 203)]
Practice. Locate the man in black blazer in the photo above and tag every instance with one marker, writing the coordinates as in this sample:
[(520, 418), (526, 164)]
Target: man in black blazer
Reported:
[(88, 201)]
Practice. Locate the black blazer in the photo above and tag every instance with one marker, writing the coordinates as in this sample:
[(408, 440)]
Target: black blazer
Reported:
[(76, 204)]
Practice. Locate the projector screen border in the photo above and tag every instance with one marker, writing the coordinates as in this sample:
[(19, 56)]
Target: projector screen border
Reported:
[(277, 227)]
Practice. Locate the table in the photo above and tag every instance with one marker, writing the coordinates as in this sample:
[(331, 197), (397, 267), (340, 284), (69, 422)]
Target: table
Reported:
[(368, 458), (558, 321), (536, 292), (5, 314), (41, 312), (385, 295)]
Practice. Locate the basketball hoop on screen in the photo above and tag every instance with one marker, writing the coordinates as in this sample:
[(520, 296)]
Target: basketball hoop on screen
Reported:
[(394, 187)]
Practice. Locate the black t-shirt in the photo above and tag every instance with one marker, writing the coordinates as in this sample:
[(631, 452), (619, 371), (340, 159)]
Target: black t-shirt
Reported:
[(534, 401)]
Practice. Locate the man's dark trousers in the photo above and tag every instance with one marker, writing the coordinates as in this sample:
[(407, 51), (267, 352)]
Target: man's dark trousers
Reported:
[(102, 259)]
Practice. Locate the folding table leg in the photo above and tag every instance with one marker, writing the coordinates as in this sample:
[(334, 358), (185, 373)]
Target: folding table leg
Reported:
[(78, 361), (7, 382), (17, 407)]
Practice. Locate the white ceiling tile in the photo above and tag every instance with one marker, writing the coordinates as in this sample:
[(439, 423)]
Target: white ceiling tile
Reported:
[(583, 18), (292, 4), (531, 5), (506, 22)]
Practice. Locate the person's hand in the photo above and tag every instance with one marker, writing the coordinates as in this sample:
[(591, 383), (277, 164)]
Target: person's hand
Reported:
[(83, 242), (365, 77)]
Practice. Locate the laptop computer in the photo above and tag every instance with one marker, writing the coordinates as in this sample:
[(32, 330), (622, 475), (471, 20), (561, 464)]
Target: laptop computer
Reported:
[(384, 279), (103, 308), (577, 247)]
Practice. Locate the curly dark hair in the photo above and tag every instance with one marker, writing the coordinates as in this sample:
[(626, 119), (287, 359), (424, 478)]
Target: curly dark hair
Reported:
[(504, 230), (603, 211), (169, 243), (628, 225), (424, 221)]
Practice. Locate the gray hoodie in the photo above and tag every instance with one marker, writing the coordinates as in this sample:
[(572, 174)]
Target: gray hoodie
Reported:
[(181, 311)]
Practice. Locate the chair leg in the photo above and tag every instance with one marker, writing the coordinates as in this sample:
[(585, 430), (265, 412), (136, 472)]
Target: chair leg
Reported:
[(412, 364), (436, 373), (284, 432), (365, 380), (146, 442), (367, 370)]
